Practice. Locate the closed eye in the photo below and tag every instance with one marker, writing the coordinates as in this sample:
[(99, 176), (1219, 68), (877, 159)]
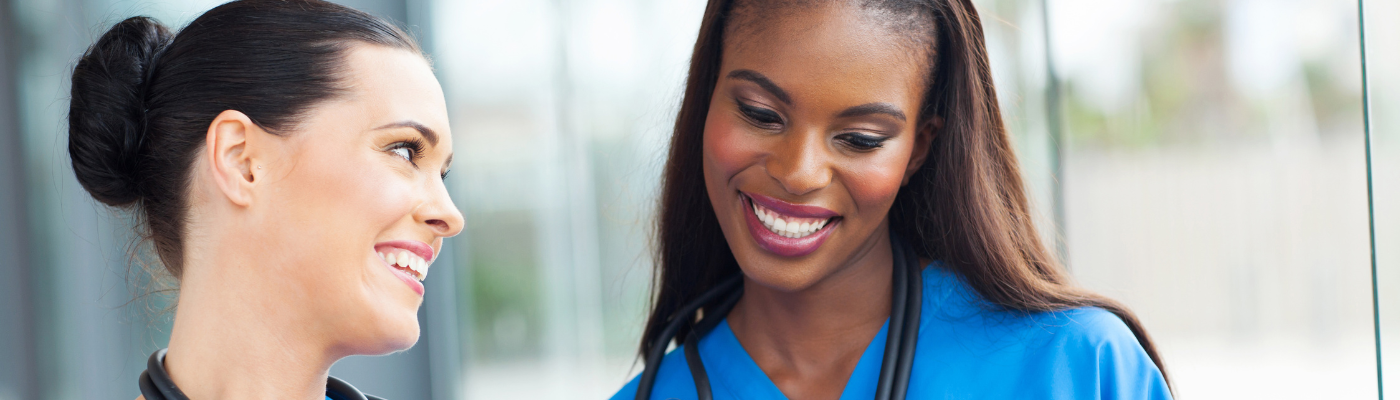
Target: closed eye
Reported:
[(761, 117), (862, 142)]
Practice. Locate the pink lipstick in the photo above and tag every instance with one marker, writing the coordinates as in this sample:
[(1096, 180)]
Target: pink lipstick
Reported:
[(406, 259), (787, 229)]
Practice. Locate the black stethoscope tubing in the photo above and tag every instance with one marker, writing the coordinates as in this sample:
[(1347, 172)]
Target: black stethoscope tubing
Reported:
[(900, 340), (156, 384)]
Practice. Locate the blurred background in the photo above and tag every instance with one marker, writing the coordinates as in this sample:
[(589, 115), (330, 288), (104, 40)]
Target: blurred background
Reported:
[(1204, 161)]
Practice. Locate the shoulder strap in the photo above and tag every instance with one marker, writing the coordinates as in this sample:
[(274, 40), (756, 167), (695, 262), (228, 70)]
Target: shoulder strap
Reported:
[(155, 383), (341, 390)]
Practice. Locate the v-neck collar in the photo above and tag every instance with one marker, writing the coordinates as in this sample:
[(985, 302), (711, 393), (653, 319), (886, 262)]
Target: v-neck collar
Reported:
[(733, 372)]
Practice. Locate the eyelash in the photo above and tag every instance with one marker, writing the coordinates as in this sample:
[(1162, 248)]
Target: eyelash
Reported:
[(767, 119), (761, 117), (415, 151), (414, 147), (859, 142)]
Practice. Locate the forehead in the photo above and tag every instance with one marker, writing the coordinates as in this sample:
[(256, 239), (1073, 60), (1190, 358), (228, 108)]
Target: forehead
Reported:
[(826, 49), (388, 85)]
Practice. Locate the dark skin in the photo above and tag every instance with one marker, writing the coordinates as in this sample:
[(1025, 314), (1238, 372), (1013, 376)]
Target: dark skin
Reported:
[(819, 107)]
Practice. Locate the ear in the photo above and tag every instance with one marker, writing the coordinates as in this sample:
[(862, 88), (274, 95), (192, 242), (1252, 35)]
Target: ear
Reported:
[(228, 145), (923, 139)]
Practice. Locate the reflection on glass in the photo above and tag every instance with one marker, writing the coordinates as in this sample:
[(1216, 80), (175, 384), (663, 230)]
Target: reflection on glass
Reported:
[(562, 110), (1215, 183), (1383, 74)]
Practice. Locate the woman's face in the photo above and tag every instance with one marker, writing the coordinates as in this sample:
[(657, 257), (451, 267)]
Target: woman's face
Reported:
[(356, 209), (811, 131)]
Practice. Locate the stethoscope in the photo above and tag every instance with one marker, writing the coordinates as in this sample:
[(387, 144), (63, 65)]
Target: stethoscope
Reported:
[(900, 340), (156, 384)]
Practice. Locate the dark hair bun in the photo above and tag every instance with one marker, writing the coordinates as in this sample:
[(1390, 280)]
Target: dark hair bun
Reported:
[(106, 116)]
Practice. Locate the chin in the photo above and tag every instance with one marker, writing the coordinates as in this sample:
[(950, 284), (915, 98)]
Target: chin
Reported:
[(782, 275), (396, 338), (384, 330), (401, 342)]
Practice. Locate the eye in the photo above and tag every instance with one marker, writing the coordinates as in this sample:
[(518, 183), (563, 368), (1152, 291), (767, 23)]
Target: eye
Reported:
[(444, 174), (761, 117), (409, 150), (862, 142)]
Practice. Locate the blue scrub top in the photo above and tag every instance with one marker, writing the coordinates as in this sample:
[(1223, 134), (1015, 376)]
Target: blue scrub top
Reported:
[(966, 350)]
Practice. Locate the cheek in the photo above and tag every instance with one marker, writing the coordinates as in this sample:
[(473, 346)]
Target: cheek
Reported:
[(873, 183), (728, 149), (340, 204)]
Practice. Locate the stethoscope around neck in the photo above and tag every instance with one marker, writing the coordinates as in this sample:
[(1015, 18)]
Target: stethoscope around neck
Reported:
[(156, 384), (900, 340)]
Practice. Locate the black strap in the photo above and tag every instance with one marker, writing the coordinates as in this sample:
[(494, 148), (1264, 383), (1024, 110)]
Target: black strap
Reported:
[(901, 340), (894, 336), (340, 390), (692, 344), (155, 384), (910, 341), (697, 368), (658, 348)]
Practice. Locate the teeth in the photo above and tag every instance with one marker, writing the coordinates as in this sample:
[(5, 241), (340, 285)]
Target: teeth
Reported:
[(793, 228), (407, 260)]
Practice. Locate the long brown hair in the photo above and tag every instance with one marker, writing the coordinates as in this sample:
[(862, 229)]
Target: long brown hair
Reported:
[(966, 206)]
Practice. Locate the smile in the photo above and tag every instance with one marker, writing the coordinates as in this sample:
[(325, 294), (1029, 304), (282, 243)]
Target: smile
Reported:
[(787, 229), (408, 260), (786, 225)]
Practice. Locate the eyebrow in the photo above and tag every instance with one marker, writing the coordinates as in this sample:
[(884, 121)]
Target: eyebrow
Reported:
[(763, 82), (428, 134), (873, 108)]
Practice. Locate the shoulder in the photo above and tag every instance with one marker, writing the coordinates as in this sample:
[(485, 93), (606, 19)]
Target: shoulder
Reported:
[(951, 304), (1099, 341), (1085, 352), (1086, 327), (673, 380)]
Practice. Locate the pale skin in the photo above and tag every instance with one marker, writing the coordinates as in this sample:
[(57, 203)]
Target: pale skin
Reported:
[(806, 320), (281, 274)]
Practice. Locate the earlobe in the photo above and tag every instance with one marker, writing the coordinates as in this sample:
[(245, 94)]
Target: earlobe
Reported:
[(923, 141), (230, 158)]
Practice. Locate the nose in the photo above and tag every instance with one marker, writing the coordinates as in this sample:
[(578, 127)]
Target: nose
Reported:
[(439, 213), (799, 163)]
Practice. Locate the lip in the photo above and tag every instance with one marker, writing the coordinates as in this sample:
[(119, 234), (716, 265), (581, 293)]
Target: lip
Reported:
[(422, 250), (786, 208), (418, 248), (781, 245)]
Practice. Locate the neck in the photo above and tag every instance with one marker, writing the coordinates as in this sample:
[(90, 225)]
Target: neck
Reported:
[(231, 341), (828, 324)]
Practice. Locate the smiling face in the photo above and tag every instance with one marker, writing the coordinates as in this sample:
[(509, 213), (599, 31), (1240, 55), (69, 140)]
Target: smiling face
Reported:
[(812, 129), (355, 207)]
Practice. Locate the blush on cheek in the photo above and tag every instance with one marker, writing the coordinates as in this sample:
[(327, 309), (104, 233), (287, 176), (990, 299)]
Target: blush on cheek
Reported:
[(728, 148), (874, 185)]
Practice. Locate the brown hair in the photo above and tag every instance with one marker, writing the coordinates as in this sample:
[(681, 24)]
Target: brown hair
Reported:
[(966, 206)]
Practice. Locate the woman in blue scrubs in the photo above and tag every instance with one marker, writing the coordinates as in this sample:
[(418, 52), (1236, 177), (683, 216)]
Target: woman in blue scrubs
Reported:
[(822, 147)]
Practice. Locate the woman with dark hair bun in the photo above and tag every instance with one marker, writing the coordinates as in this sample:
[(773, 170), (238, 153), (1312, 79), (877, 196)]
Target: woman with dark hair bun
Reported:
[(842, 216), (285, 158)]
